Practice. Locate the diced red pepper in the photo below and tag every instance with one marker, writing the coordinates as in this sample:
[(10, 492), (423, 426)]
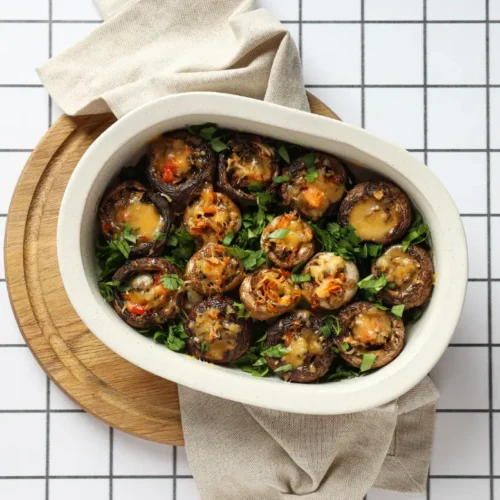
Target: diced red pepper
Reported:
[(137, 309)]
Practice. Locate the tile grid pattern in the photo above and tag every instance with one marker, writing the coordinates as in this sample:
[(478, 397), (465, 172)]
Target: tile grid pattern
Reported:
[(425, 87)]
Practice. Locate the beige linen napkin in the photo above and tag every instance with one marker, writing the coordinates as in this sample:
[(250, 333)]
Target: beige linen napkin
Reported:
[(147, 49)]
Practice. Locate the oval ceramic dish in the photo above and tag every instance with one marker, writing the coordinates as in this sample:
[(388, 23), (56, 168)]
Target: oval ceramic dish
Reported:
[(123, 143)]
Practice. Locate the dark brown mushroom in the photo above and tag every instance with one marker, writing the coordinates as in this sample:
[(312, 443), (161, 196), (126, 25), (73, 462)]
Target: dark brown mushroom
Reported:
[(310, 353), (333, 281), (287, 241), (179, 165), (212, 270), (143, 299), (368, 330), (378, 211), (216, 333), (248, 165), (316, 186), (211, 216), (268, 293), (409, 274), (147, 215)]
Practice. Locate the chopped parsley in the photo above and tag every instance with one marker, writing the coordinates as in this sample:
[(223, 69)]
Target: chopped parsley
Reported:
[(283, 152), (373, 285), (417, 233), (107, 289), (279, 234), (174, 338), (280, 179), (203, 347), (228, 239), (330, 324), (180, 247), (242, 312), (398, 310), (172, 281), (276, 351), (367, 363), (284, 368), (312, 176)]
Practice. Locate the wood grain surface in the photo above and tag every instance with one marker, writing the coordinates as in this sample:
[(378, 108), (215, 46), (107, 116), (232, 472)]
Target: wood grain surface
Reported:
[(103, 384)]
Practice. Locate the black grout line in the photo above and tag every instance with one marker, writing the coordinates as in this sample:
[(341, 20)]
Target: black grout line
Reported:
[(13, 345), (488, 230), (111, 443), (104, 476), (363, 86), (400, 86)]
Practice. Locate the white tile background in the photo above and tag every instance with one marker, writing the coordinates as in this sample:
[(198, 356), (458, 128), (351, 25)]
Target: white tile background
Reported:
[(424, 74)]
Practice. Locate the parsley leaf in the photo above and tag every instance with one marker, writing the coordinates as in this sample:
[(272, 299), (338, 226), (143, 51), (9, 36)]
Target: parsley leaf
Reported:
[(242, 312), (367, 363), (417, 233), (204, 347), (283, 152), (276, 351), (208, 131), (251, 259), (330, 324), (284, 368), (107, 289), (398, 310), (160, 236), (312, 176), (345, 346), (172, 281), (301, 278), (256, 187), (180, 248), (309, 161), (228, 239), (280, 179), (372, 284), (279, 234), (218, 145), (175, 336)]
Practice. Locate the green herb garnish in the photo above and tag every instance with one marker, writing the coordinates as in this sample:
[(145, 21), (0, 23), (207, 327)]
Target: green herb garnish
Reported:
[(301, 278), (367, 363), (373, 285), (398, 310), (159, 236), (180, 248), (172, 281), (279, 234), (312, 176), (256, 187), (330, 324), (218, 145), (276, 351), (284, 368), (203, 347), (309, 162), (242, 312), (280, 179), (228, 239), (174, 337), (417, 233), (283, 152), (107, 289)]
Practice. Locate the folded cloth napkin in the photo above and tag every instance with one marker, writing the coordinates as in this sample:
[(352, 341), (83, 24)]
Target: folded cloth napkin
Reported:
[(147, 49)]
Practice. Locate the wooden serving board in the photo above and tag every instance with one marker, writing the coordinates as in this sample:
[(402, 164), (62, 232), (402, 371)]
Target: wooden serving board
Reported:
[(97, 379)]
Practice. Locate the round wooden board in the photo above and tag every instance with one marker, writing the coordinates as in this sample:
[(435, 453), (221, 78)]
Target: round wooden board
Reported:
[(102, 383)]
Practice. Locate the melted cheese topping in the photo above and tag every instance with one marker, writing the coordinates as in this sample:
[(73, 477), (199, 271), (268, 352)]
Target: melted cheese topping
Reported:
[(220, 335), (142, 217), (314, 198), (275, 289), (399, 267), (372, 327), (300, 347), (250, 166), (212, 216), (173, 160), (300, 234), (328, 273), (373, 218), (147, 294)]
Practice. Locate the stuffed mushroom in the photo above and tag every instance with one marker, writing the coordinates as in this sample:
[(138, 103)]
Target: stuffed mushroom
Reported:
[(211, 216), (301, 353), (212, 270), (287, 241), (145, 215), (215, 331), (377, 210), (179, 165), (247, 166), (329, 281), (150, 292), (268, 293), (316, 185), (366, 330), (409, 275)]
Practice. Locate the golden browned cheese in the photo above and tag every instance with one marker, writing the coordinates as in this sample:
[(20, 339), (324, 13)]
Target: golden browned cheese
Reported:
[(299, 233), (276, 287), (143, 218), (300, 348), (219, 334), (325, 270), (373, 218), (146, 292), (250, 168), (371, 327), (315, 197), (174, 155), (399, 267)]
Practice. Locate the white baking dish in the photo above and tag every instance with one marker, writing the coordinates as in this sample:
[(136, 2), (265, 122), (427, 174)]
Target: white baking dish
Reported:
[(118, 147)]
